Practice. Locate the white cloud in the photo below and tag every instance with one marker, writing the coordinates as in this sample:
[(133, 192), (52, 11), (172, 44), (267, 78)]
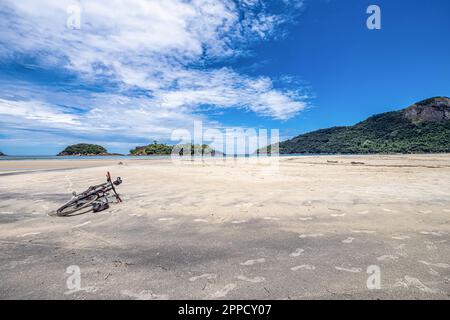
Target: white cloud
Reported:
[(152, 45), (36, 112), (108, 115), (225, 88)]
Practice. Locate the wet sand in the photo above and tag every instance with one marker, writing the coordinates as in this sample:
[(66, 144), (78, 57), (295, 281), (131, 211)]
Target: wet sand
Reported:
[(302, 228)]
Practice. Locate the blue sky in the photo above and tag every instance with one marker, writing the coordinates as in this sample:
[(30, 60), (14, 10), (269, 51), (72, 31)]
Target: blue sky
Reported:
[(135, 71)]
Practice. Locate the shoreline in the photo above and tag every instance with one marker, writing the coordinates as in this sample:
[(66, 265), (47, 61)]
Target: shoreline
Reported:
[(23, 166)]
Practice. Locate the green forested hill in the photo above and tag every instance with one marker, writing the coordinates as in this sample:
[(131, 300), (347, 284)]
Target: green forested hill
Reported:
[(158, 149), (420, 128), (83, 149), (155, 149)]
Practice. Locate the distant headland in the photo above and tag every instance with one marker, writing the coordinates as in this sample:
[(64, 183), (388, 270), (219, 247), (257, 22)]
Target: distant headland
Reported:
[(423, 127)]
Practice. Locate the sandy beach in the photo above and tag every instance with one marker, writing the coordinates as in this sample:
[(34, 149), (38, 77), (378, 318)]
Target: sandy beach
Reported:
[(305, 228)]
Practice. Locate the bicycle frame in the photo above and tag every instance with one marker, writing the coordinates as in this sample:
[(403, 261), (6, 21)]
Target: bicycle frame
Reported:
[(94, 193), (103, 188)]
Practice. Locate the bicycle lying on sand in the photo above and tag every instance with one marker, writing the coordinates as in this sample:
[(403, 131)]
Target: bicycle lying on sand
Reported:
[(95, 198)]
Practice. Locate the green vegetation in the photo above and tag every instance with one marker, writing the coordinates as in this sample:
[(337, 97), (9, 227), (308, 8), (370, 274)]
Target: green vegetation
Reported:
[(154, 149), (390, 132), (83, 149), (434, 100), (195, 149), (158, 149)]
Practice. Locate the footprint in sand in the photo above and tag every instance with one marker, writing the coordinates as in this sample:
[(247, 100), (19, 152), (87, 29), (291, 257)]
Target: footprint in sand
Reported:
[(142, 195), (401, 237), (135, 215), (252, 262), (85, 289), (28, 234), (338, 215), (387, 257), (446, 210), (82, 224), (200, 220), (348, 240), (238, 221), (305, 219), (364, 231), (389, 210), (224, 291), (271, 218), (297, 252), (425, 211), (166, 219), (363, 212), (433, 272), (433, 233), (207, 276), (310, 235), (352, 270), (145, 295), (437, 265), (414, 282), (6, 212), (244, 205), (252, 280), (303, 266)]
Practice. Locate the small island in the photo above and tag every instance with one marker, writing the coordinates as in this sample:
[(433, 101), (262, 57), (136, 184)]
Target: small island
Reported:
[(154, 149), (159, 149), (2, 154), (84, 149)]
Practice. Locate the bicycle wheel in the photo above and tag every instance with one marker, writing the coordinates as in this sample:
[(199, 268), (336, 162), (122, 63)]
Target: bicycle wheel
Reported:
[(77, 205)]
